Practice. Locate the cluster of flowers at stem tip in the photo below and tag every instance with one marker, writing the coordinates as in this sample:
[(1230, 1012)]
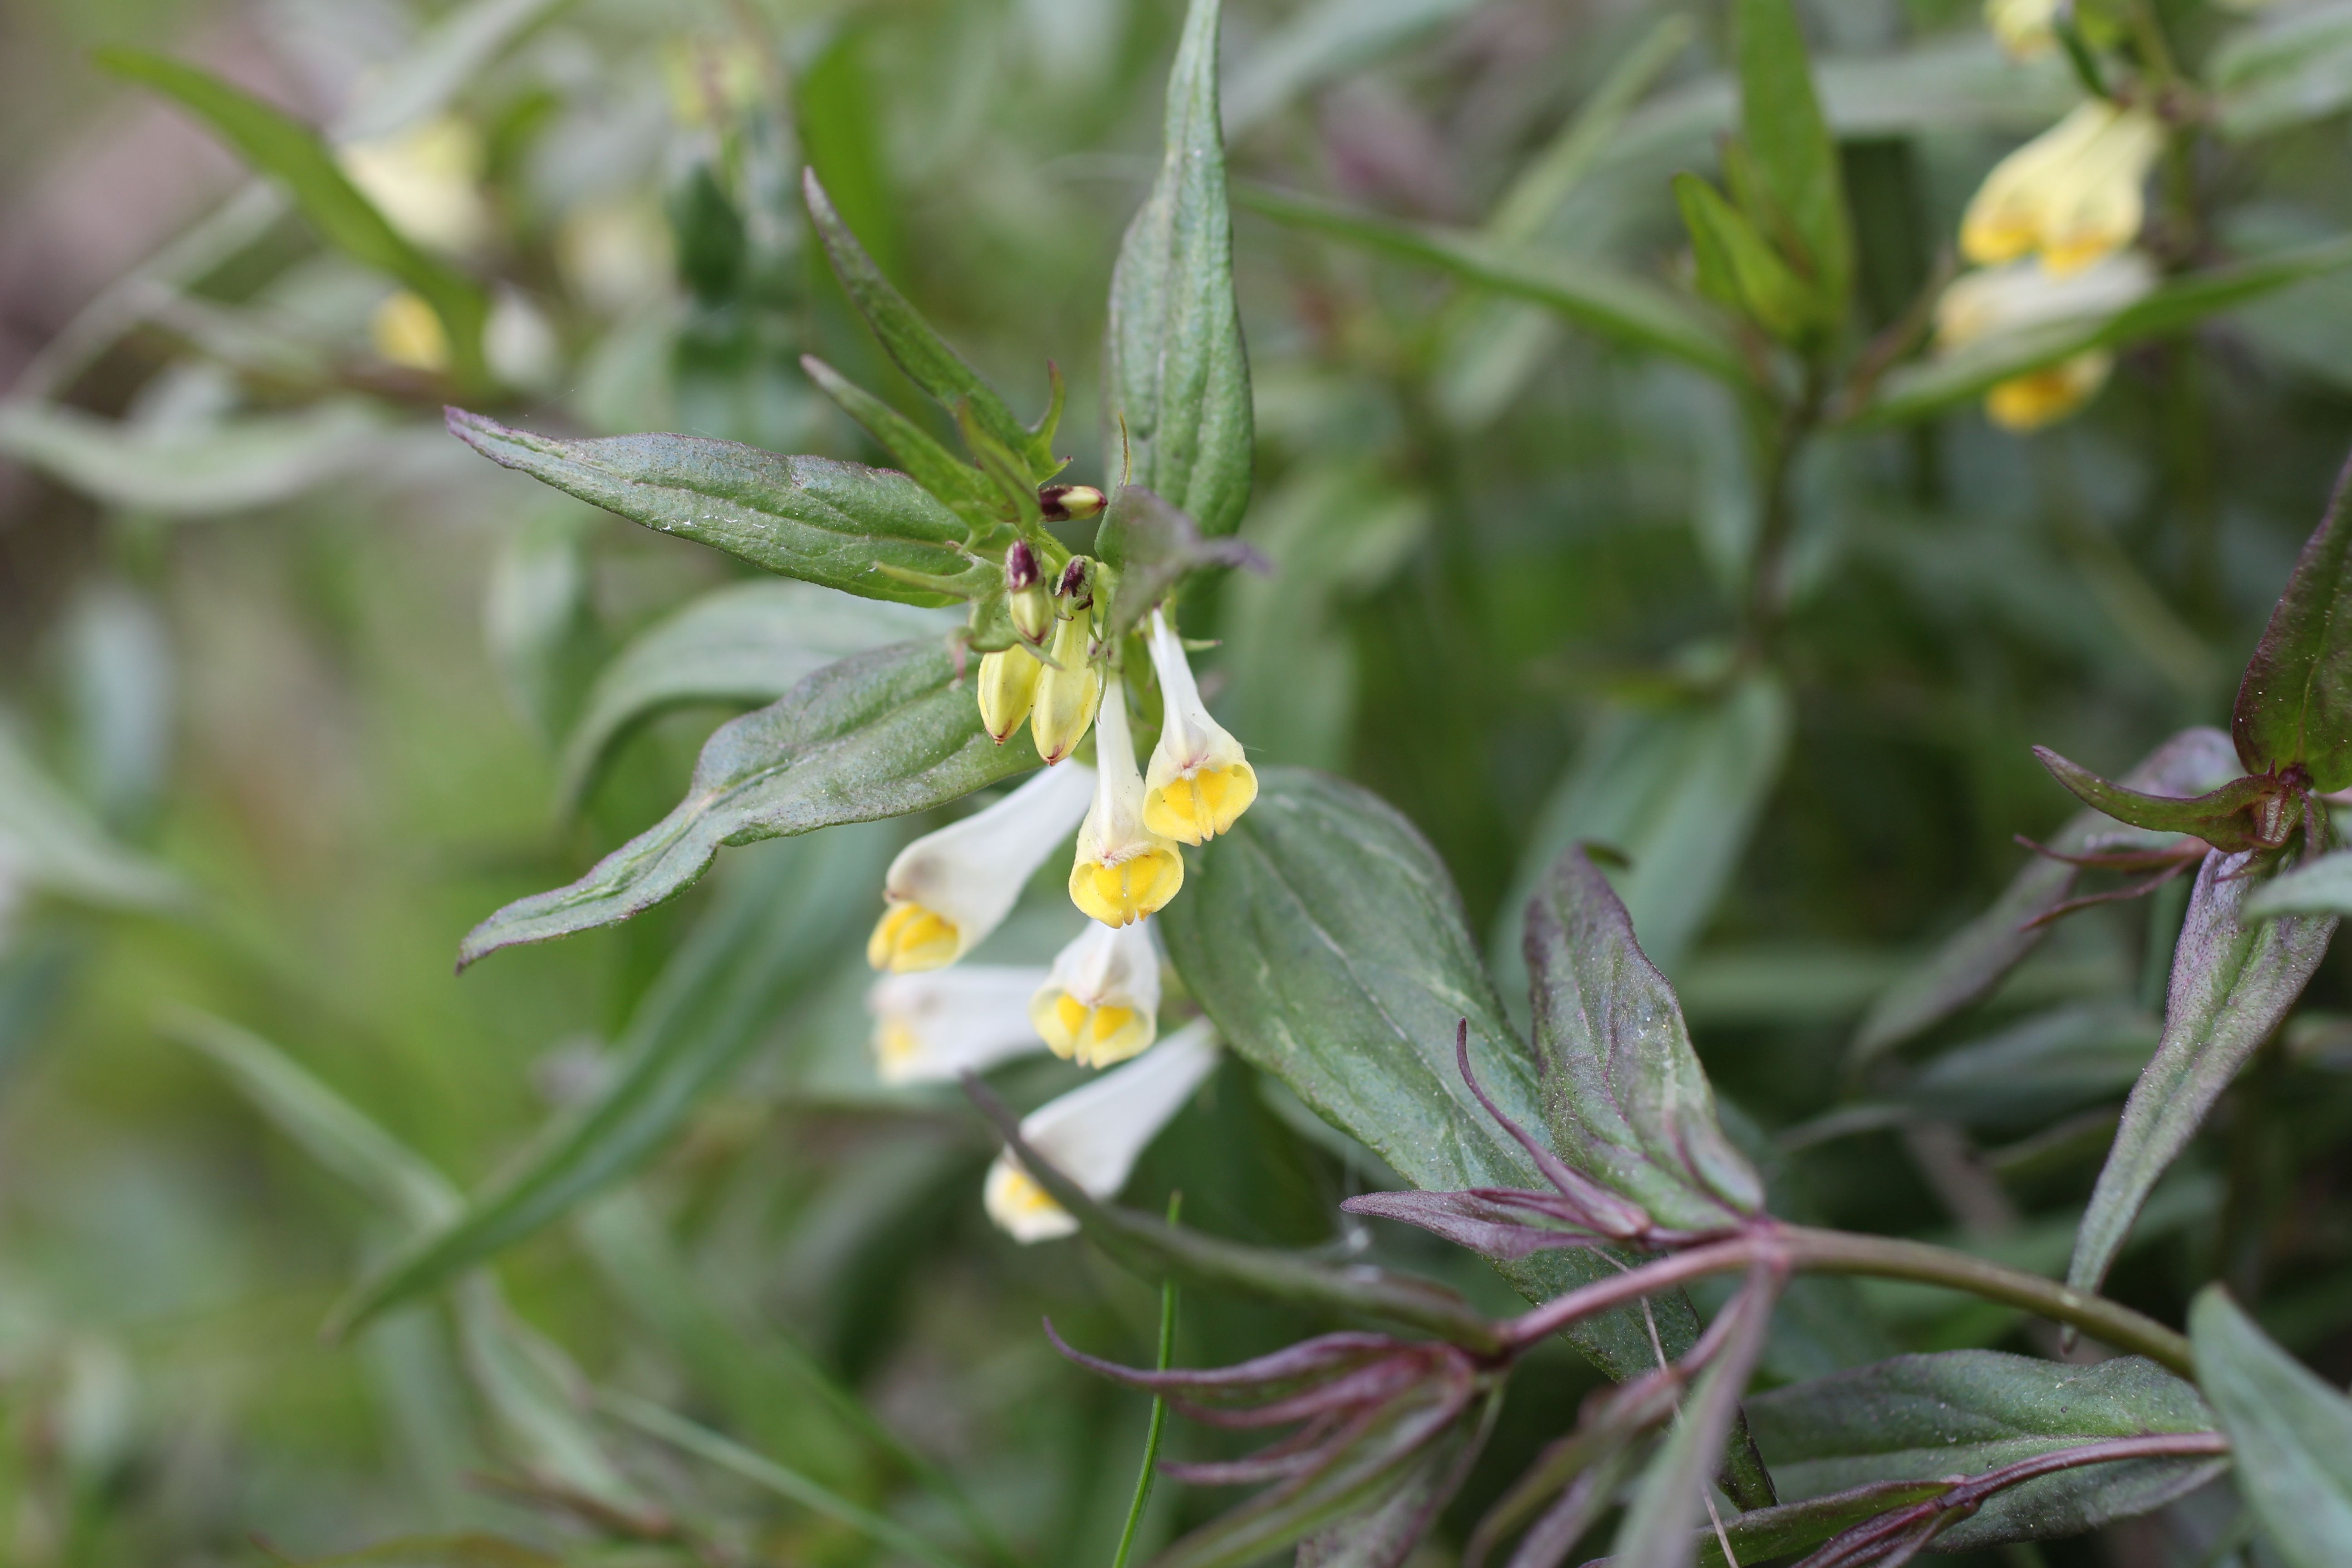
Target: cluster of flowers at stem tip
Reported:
[(2051, 232), (1097, 1003)]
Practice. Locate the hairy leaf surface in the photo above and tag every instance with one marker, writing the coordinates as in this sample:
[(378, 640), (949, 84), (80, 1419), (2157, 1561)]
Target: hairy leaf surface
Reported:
[(2292, 1431), (2294, 705)]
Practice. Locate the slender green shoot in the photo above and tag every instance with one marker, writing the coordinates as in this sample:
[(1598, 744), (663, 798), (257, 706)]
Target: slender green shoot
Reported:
[(1159, 1405)]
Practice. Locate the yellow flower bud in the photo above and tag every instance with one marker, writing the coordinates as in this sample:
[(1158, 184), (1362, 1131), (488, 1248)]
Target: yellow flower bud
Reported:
[(406, 332), (1007, 685), (1069, 503), (1068, 692), (1124, 871), (2028, 402), (2071, 195), (1200, 782), (2024, 29)]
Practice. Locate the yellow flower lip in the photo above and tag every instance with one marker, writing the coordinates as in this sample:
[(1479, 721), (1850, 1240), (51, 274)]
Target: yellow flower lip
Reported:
[(1200, 784), (2071, 195), (1123, 871), (947, 889), (1121, 891), (909, 937), (1100, 1002)]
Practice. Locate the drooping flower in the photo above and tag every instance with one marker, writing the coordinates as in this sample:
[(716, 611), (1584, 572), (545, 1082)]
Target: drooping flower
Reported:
[(935, 1027), (1007, 686), (2022, 27), (949, 890), (1094, 1134), (406, 332), (1069, 689), (1100, 1003), (1124, 871), (2024, 296), (425, 180), (1200, 782), (2071, 195)]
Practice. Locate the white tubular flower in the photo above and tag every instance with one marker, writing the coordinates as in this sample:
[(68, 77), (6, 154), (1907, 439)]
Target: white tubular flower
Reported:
[(2024, 296), (1093, 1135), (2071, 195), (1100, 1003), (1124, 871), (1200, 784), (949, 890), (425, 180), (932, 1028)]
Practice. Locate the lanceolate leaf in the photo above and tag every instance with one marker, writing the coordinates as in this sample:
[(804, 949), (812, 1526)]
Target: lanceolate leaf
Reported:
[(1620, 305), (776, 929), (1782, 124), (964, 489), (2323, 887), (1175, 376), (877, 734), (2239, 816), (1385, 1535), (920, 352), (292, 155), (2292, 1433), (816, 519), (2294, 705), (2233, 980), (1625, 1096), (1668, 1498), (1325, 938), (1975, 958), (1154, 545), (1925, 1417), (748, 643), (1737, 267)]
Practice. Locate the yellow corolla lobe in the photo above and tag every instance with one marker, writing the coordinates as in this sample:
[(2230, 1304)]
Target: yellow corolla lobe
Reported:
[(2071, 195), (909, 937), (1191, 807), (1122, 890)]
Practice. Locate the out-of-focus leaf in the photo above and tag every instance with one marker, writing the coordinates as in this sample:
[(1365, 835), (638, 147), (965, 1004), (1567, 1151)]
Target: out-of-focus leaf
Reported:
[(2321, 887), (964, 488), (1736, 267), (1782, 124), (1789, 1528), (2282, 69), (758, 947), (120, 666), (182, 471), (1667, 1499), (1176, 387), (911, 341), (292, 155), (1973, 959), (540, 618), (1677, 791), (1537, 192), (2047, 1063), (539, 1400), (748, 642), (1323, 42), (470, 1548), (2295, 704), (1325, 938), (876, 735), (816, 519), (2231, 819), (1622, 1090), (2232, 982), (1925, 1417), (1621, 306), (50, 843), (2290, 1431), (1154, 545), (1385, 1535), (1916, 391), (462, 40)]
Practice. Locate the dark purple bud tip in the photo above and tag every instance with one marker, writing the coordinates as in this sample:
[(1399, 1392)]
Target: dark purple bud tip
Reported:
[(1074, 578), (1019, 566), (1068, 503)]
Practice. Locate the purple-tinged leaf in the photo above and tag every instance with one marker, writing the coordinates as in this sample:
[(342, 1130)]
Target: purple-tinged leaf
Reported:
[(1469, 1220), (2255, 813), (1385, 1535), (1595, 1207), (2234, 978), (2294, 702), (1326, 1356), (1624, 1093), (1976, 957), (1590, 1463)]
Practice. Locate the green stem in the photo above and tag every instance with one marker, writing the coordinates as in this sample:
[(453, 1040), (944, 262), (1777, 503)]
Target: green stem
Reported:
[(1768, 568), (1159, 1406)]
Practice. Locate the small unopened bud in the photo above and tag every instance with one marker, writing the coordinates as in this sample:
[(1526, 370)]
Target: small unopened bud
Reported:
[(1076, 586), (1020, 567), (1069, 503), (1032, 613)]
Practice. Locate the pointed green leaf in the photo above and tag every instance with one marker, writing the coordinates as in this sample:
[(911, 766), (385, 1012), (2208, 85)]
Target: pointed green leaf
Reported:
[(1155, 546), (1963, 1412), (910, 340), (1783, 130), (2322, 886), (876, 735), (1325, 938), (2292, 1432), (964, 489), (816, 518), (774, 930), (1625, 1095), (2232, 819), (1618, 305), (1385, 1535), (1175, 375), (746, 644), (49, 842), (197, 468), (1738, 267), (2233, 980), (293, 155), (1669, 1496), (1976, 957), (2294, 705)]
